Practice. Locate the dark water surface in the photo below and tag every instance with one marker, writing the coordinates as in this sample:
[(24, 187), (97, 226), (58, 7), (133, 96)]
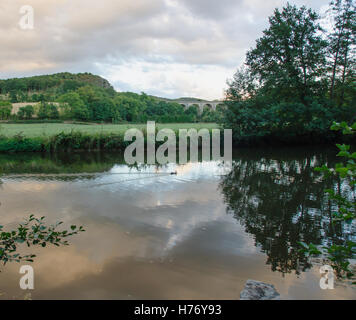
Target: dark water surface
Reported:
[(199, 234)]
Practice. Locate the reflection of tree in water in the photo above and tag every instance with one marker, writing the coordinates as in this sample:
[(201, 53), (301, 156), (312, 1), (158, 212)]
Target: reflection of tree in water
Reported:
[(278, 198), (58, 163)]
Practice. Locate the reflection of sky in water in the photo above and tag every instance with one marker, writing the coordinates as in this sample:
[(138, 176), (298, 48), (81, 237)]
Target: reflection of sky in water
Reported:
[(161, 196), (149, 234), (165, 176), (173, 206)]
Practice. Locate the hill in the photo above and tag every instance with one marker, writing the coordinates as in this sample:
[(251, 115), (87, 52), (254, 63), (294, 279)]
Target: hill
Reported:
[(61, 82), (179, 99)]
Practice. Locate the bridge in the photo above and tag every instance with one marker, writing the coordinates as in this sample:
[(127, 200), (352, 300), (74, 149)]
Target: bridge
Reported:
[(201, 104)]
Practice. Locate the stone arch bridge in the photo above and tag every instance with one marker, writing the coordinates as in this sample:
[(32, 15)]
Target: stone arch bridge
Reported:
[(201, 104)]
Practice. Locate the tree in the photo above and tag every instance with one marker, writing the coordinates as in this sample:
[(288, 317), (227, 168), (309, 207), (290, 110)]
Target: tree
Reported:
[(74, 106), (342, 41), (21, 113), (13, 96), (243, 85), (5, 110), (103, 109), (131, 108), (29, 111), (281, 95), (48, 111), (288, 61), (26, 112), (43, 111), (53, 112), (192, 112)]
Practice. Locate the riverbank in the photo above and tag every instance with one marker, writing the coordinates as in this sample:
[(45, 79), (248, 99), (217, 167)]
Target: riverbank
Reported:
[(66, 142), (36, 130), (60, 137), (55, 137)]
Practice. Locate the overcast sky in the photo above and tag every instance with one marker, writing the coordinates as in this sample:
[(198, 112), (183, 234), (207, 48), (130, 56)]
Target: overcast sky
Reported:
[(169, 48)]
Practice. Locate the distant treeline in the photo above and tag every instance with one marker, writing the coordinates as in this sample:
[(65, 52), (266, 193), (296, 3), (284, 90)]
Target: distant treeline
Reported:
[(59, 83), (86, 97)]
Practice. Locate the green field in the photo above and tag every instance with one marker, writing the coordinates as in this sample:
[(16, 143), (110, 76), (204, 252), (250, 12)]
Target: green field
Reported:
[(49, 129)]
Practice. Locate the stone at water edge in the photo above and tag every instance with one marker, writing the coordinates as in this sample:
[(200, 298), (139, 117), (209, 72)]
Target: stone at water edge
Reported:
[(256, 290)]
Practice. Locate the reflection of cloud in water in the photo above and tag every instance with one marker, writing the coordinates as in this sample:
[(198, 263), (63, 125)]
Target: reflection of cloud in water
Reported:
[(166, 237), (31, 186)]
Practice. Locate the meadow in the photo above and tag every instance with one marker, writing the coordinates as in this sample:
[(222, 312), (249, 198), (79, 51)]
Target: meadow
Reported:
[(36, 130)]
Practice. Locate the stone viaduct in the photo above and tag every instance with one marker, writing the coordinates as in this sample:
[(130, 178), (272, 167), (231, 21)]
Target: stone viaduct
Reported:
[(201, 104)]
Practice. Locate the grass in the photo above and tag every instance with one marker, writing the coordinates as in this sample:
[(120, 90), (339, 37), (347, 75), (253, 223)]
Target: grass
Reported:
[(36, 130)]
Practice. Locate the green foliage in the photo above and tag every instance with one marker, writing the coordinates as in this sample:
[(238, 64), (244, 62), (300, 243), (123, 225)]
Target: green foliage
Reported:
[(281, 94), (53, 85), (290, 57), (46, 128), (48, 111), (79, 138), (19, 143), (262, 121), (26, 112), (74, 107), (345, 205), (5, 110), (341, 52), (86, 97), (33, 232)]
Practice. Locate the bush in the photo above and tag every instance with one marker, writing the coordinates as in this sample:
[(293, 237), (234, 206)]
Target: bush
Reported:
[(21, 144)]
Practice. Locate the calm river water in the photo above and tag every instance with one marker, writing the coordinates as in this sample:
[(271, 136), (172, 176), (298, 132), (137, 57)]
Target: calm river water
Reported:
[(199, 234)]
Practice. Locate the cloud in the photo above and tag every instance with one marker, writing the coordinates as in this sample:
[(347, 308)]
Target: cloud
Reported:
[(168, 79), (165, 47)]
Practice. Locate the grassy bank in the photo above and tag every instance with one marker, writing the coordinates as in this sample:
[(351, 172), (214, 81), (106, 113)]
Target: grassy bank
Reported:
[(35, 130), (55, 137)]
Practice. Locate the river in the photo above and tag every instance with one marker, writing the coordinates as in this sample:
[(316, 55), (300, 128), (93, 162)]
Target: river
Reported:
[(197, 234)]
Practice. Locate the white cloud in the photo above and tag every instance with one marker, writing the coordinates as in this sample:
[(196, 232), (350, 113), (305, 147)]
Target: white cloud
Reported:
[(164, 47), (168, 79)]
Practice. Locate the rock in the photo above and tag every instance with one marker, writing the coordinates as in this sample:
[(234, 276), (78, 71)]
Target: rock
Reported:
[(256, 290)]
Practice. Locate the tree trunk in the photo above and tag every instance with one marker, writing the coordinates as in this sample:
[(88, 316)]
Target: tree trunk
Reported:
[(344, 73)]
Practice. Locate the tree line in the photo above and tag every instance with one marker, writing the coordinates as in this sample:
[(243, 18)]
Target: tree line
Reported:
[(91, 98)]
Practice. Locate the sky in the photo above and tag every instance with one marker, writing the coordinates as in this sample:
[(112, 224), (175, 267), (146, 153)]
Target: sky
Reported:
[(167, 48)]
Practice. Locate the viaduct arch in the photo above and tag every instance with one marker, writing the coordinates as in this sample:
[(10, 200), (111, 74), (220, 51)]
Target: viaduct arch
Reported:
[(200, 104)]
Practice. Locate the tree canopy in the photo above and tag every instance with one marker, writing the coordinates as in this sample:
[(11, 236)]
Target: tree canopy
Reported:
[(297, 79)]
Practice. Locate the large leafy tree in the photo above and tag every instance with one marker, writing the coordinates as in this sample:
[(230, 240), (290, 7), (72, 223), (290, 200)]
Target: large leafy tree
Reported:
[(281, 94), (288, 61)]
